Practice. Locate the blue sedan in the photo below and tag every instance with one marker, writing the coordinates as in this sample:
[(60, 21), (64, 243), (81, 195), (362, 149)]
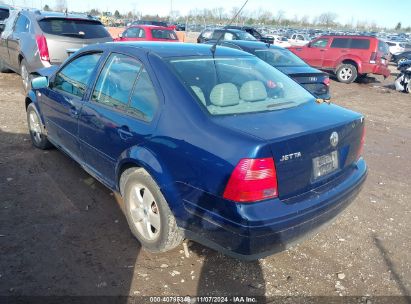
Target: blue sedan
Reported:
[(213, 145)]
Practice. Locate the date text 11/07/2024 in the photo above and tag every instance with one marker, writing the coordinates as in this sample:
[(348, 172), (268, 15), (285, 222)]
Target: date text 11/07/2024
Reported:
[(203, 299)]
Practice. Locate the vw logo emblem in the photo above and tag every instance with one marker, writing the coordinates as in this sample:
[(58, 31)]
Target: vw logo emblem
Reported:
[(334, 139)]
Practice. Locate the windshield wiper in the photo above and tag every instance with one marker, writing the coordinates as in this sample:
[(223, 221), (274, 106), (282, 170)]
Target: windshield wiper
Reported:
[(279, 104)]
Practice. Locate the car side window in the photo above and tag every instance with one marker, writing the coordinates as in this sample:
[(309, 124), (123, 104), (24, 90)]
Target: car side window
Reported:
[(22, 25), (131, 32), (116, 81), (75, 76), (144, 100), (142, 33), (341, 43), (230, 45), (320, 43), (229, 36), (363, 44)]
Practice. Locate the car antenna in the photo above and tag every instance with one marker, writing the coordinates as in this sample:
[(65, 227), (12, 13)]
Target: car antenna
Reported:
[(225, 27)]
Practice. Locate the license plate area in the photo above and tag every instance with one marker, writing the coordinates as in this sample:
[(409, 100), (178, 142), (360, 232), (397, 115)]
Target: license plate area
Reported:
[(325, 164)]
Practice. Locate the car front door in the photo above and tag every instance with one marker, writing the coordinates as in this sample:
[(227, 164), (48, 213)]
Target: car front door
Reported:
[(62, 102), (118, 115), (316, 51)]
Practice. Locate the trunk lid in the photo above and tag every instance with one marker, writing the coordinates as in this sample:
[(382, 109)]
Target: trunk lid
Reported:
[(300, 141)]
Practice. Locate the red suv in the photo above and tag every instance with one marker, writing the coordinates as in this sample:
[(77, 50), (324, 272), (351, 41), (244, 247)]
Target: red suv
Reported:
[(348, 57)]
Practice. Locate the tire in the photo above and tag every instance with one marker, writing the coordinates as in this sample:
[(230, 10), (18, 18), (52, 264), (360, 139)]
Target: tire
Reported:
[(346, 73), (148, 214), (25, 76), (36, 129)]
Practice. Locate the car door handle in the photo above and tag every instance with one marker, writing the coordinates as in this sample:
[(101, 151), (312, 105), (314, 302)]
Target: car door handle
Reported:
[(73, 109), (124, 132)]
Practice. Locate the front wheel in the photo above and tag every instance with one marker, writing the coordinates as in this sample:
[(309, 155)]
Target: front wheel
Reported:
[(346, 73), (148, 214), (36, 128)]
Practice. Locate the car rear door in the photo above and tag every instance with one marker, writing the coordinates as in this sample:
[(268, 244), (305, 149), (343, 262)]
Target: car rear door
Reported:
[(339, 47), (66, 35), (20, 31), (62, 102), (118, 115)]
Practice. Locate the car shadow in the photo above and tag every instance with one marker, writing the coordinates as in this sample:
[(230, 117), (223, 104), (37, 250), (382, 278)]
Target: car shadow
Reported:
[(61, 232), (390, 265)]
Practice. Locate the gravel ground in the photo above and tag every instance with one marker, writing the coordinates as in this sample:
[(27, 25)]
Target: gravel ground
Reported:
[(62, 233)]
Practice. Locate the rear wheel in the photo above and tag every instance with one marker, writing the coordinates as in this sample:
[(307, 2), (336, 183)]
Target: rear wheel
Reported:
[(36, 128), (148, 214), (25, 76), (346, 73)]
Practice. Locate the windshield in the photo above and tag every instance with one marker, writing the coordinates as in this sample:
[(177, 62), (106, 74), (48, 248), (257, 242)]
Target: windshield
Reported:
[(4, 14), (164, 34), (245, 36), (279, 58), (234, 85), (77, 28)]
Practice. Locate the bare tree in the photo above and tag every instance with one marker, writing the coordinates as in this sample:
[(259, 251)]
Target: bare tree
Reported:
[(279, 17), (61, 5), (327, 19)]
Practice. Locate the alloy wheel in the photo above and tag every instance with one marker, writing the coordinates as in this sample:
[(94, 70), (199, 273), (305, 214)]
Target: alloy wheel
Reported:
[(145, 212), (345, 73), (35, 127)]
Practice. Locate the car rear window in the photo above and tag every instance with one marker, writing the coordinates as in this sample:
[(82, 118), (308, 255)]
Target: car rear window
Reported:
[(4, 14), (238, 85), (164, 34), (77, 28)]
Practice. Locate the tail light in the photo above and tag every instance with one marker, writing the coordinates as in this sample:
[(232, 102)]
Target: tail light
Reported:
[(326, 81), (253, 179), (361, 147), (373, 57), (43, 49)]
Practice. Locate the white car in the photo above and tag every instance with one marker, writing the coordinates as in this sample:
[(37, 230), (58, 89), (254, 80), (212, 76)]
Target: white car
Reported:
[(298, 40), (280, 40), (396, 47)]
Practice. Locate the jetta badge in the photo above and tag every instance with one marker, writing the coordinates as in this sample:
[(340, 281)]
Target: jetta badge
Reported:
[(334, 139), (313, 79)]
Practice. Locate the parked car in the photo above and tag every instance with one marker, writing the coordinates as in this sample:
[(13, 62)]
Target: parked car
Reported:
[(4, 14), (280, 41), (36, 39), (154, 22), (347, 56), (402, 57), (396, 47), (298, 40), (148, 33), (212, 145), (224, 34), (313, 80), (252, 31)]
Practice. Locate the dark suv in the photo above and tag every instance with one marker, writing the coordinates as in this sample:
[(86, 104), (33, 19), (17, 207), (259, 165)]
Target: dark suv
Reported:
[(347, 56), (34, 39)]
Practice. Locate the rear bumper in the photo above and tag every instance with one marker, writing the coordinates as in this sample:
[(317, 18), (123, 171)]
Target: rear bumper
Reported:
[(274, 225), (377, 69)]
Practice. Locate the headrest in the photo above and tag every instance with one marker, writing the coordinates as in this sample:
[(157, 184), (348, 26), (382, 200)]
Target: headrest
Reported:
[(253, 90), (224, 95)]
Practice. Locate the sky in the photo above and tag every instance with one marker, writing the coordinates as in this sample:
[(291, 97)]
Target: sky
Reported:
[(383, 13)]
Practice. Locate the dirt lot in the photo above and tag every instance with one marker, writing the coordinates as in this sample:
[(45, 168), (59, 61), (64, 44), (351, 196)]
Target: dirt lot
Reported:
[(62, 232)]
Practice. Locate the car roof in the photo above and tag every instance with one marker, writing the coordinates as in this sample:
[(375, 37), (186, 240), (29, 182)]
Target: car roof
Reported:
[(47, 14), (168, 50), (149, 26), (347, 36), (251, 44)]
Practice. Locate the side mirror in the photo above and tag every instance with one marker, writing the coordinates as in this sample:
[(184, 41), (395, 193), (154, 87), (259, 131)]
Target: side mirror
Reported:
[(120, 35), (309, 44), (40, 83)]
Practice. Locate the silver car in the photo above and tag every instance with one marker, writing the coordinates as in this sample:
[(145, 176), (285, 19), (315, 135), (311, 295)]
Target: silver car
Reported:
[(35, 39)]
